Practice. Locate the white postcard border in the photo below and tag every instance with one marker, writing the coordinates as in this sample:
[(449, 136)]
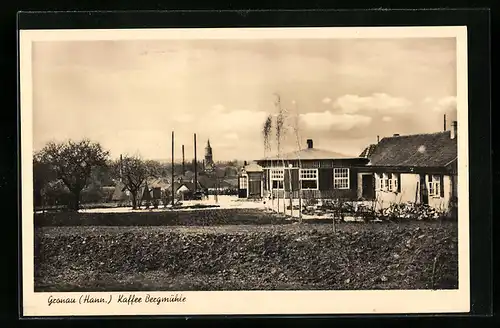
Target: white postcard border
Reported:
[(248, 302)]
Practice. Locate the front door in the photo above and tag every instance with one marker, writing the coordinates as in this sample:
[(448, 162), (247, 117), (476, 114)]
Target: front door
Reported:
[(255, 185), (424, 193), (368, 185), (254, 189)]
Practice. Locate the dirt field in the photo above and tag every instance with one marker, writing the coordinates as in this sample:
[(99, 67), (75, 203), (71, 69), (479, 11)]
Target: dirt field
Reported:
[(239, 250)]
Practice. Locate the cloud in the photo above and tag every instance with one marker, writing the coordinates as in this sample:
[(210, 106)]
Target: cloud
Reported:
[(445, 104), (184, 118), (231, 136), (218, 108), (327, 100), (387, 119), (329, 121), (233, 120), (377, 102)]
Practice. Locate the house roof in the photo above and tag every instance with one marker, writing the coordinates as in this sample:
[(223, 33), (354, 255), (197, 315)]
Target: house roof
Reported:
[(418, 150), (189, 185), (253, 167), (310, 154), (368, 151), (158, 183)]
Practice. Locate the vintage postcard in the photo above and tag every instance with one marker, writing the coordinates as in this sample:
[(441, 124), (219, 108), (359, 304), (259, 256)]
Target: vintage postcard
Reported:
[(244, 171)]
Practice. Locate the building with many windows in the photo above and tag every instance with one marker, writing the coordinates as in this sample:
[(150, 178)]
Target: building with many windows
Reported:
[(316, 173), (419, 168)]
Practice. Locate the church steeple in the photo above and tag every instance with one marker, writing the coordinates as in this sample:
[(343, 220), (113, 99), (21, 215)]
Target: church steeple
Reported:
[(209, 162)]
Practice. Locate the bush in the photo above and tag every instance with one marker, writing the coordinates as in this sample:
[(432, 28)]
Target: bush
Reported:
[(202, 217)]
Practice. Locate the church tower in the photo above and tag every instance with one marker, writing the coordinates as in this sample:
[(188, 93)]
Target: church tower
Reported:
[(209, 162)]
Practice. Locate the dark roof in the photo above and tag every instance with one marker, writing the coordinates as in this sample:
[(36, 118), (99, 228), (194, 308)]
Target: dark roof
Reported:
[(368, 151), (162, 182), (189, 185), (418, 150), (310, 154), (253, 167)]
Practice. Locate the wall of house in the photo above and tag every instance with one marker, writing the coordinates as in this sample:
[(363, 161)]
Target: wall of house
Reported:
[(410, 193), (408, 188), (325, 186)]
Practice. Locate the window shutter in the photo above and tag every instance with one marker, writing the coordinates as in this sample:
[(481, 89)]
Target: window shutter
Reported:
[(399, 182), (441, 185)]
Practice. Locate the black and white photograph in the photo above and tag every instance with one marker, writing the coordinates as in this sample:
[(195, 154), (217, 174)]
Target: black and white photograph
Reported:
[(262, 170)]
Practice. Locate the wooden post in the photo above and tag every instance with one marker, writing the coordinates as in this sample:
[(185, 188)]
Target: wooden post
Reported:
[(183, 163), (121, 168), (173, 172), (195, 166)]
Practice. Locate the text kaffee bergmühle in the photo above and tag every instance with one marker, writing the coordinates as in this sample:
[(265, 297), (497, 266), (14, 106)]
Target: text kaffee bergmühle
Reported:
[(128, 299)]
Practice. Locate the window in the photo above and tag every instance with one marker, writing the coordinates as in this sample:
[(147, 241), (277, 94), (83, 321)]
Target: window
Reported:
[(377, 181), (341, 178), (277, 177), (434, 185), (243, 183), (395, 186), (309, 178), (387, 181)]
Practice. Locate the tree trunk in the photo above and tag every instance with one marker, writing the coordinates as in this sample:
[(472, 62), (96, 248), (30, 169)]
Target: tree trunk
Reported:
[(134, 200), (76, 200)]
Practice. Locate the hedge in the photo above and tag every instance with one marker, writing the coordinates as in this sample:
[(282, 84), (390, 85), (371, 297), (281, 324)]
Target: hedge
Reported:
[(199, 217)]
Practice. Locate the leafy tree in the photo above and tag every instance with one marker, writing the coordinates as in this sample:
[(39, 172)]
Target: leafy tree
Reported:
[(133, 172), (73, 162), (42, 176)]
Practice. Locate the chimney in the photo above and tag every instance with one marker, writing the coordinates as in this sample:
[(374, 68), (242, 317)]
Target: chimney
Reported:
[(444, 123), (245, 163), (454, 129), (309, 143), (395, 135), (378, 139)]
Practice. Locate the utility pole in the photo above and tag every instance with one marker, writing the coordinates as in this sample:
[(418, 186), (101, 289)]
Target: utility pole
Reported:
[(173, 188), (121, 167), (183, 165), (195, 166)]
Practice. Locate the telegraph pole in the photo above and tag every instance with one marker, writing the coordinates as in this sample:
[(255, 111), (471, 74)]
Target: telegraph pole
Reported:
[(173, 188), (195, 167), (183, 165)]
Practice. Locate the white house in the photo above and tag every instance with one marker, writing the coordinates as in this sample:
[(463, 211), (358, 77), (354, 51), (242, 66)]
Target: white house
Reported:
[(419, 168)]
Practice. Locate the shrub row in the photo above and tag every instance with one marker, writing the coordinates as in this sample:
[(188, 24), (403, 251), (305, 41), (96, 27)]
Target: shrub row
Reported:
[(202, 217), (402, 257)]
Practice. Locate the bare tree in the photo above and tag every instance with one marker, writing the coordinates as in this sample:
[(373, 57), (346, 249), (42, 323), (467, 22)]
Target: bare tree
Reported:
[(299, 147), (73, 162), (266, 132), (134, 172), (280, 120)]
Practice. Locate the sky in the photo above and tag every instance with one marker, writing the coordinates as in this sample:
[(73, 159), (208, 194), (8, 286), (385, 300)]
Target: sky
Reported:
[(129, 95)]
